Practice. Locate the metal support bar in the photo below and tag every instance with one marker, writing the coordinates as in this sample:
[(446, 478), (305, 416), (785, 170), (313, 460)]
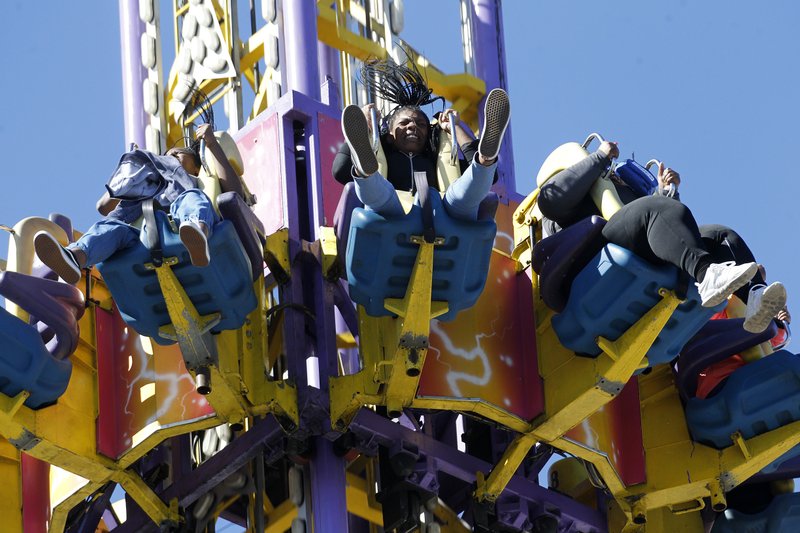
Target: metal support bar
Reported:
[(464, 467)]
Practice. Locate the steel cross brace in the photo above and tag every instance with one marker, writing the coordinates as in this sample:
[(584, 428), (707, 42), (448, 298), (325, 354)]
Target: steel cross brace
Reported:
[(610, 371), (449, 460), (204, 478)]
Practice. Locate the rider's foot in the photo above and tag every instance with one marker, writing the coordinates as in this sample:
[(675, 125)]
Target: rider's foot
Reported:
[(356, 134), (496, 114), (194, 237), (60, 260)]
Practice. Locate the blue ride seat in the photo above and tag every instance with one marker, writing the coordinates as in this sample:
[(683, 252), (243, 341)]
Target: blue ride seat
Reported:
[(29, 362), (614, 290), (756, 398), (224, 286), (380, 257), (782, 515)]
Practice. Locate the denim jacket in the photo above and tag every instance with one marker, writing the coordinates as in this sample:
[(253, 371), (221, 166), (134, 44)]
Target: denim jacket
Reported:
[(141, 175)]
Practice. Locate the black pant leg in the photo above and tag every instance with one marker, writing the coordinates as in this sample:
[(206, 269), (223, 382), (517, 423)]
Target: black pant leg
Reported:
[(724, 244), (660, 230)]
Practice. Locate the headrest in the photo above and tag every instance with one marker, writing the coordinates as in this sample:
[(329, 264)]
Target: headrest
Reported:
[(562, 157), (231, 151)]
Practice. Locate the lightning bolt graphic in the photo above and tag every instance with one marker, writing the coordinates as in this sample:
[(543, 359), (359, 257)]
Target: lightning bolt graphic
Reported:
[(145, 376)]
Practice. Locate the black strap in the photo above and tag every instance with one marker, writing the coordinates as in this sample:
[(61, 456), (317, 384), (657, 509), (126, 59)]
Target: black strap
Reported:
[(423, 192), (152, 238)]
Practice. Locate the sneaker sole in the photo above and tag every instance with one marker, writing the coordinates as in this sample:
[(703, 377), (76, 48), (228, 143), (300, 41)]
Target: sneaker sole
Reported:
[(734, 285), (496, 114), (52, 254), (356, 133), (196, 244), (773, 299)]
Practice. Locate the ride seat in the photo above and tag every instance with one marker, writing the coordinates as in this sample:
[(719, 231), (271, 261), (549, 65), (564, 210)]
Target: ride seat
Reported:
[(758, 397), (27, 362), (716, 341), (380, 256), (606, 294), (782, 514), (224, 286)]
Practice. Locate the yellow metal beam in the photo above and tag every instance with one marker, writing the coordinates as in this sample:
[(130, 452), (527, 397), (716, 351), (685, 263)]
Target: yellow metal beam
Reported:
[(189, 329), (58, 518), (575, 390), (359, 502), (415, 310), (148, 500), (449, 520), (11, 487), (280, 519)]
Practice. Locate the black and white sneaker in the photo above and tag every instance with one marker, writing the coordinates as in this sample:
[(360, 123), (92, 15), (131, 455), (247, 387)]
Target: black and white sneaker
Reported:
[(59, 259), (196, 243), (356, 133), (496, 114)]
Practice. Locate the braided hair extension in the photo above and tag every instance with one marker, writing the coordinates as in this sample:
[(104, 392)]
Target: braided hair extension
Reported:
[(200, 104), (403, 85)]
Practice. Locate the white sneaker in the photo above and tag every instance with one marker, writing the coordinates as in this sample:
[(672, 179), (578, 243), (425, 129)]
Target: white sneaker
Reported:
[(59, 259), (763, 304), (722, 279)]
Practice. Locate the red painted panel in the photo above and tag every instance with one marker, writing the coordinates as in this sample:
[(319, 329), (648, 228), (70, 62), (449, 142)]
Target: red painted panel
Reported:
[(617, 430), (136, 388), (35, 494)]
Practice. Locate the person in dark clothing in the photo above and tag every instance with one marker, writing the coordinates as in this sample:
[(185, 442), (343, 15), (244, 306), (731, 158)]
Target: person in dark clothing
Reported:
[(408, 147), (764, 302), (403, 162), (661, 230)]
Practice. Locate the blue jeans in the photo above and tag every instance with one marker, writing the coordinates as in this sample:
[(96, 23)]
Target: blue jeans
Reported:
[(461, 200), (110, 235)]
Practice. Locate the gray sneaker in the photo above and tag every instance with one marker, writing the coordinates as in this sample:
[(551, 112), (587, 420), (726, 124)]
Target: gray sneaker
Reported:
[(763, 303), (356, 134), (496, 114), (59, 259)]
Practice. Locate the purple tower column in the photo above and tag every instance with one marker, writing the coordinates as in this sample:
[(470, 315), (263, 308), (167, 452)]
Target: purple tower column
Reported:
[(329, 70), (300, 34), (488, 49), (133, 72)]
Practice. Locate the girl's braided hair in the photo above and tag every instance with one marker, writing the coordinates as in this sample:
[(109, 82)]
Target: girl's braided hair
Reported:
[(402, 85)]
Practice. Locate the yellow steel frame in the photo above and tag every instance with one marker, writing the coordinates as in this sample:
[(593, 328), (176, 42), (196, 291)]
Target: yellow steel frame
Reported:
[(64, 434), (463, 90), (238, 387), (575, 387), (393, 349), (681, 473)]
